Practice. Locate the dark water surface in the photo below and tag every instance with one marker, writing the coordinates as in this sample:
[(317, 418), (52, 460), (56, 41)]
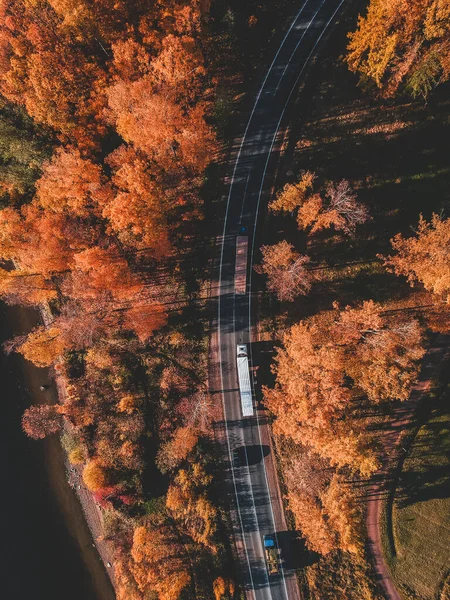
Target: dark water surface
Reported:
[(45, 550)]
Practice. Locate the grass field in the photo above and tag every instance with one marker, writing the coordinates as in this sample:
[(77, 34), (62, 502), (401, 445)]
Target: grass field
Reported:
[(421, 510)]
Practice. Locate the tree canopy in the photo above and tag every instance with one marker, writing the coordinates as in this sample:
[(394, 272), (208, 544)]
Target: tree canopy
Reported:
[(401, 44), (424, 257)]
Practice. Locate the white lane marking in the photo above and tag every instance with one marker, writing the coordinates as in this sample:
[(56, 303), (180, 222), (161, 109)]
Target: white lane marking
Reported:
[(260, 545), (220, 279), (248, 125), (305, 31), (296, 47), (220, 285), (253, 243)]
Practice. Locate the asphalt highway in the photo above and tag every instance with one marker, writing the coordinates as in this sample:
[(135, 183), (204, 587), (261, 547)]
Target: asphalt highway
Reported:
[(259, 509)]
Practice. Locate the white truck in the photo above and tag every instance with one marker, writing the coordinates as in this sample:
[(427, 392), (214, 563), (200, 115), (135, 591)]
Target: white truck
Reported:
[(245, 387)]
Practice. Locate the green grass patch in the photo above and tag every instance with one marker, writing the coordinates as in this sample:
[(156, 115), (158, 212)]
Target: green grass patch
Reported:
[(341, 576), (154, 506), (421, 510), (351, 271)]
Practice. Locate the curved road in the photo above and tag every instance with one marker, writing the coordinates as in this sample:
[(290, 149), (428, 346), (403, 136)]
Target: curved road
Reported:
[(259, 509)]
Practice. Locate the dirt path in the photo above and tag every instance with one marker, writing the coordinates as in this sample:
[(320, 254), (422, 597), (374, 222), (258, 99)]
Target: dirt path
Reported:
[(401, 423)]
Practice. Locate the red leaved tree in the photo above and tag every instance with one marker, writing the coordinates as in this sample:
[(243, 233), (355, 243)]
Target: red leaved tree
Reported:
[(287, 275), (41, 420)]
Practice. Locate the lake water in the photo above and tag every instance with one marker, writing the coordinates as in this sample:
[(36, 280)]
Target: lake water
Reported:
[(43, 556)]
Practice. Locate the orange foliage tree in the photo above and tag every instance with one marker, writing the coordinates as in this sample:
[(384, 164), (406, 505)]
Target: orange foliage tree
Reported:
[(137, 212), (114, 297), (322, 367), (311, 372), (97, 271), (72, 184), (310, 519), (43, 346), (337, 208), (95, 476), (191, 507), (424, 257), (20, 287), (144, 318), (223, 589), (311, 398), (159, 561), (330, 521), (40, 241), (293, 195), (98, 21), (179, 69), (343, 514), (343, 443), (402, 44), (382, 354), (49, 74), (286, 271), (159, 127), (177, 449)]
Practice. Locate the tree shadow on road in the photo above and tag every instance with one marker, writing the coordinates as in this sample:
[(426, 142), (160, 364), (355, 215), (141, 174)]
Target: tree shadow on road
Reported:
[(294, 553)]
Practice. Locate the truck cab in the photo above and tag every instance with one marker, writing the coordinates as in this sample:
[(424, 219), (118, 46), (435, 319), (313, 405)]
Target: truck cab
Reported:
[(241, 351)]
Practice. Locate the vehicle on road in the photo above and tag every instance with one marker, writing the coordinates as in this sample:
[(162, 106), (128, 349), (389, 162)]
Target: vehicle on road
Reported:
[(237, 463), (240, 275), (272, 555), (245, 388)]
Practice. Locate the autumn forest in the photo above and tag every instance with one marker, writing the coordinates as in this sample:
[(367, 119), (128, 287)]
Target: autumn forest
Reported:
[(116, 120), (105, 139)]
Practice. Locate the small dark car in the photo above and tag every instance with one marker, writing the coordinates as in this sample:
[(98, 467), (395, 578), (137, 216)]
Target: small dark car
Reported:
[(236, 459)]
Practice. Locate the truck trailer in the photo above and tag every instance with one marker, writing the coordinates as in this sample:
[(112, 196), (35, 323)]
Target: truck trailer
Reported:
[(245, 387), (240, 276)]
